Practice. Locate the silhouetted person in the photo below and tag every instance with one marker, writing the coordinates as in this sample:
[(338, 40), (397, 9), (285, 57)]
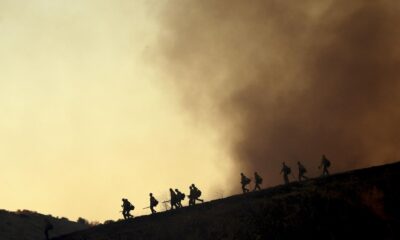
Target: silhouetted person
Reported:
[(153, 203), (325, 164), (191, 196), (244, 181), (286, 171), (302, 171), (194, 195), (126, 208), (197, 194), (48, 226), (179, 198), (174, 199), (258, 180)]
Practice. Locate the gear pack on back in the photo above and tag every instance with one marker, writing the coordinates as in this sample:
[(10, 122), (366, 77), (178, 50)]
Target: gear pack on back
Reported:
[(198, 193), (247, 180), (259, 179), (182, 196), (288, 170), (327, 163), (131, 207)]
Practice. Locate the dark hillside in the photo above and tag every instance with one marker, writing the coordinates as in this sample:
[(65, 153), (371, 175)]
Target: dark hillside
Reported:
[(361, 204), (28, 225)]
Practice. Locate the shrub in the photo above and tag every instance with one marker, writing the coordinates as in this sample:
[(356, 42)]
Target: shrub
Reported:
[(82, 221)]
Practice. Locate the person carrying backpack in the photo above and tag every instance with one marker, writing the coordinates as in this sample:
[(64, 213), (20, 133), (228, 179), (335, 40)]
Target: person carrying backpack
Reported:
[(153, 203), (325, 164), (244, 181), (258, 180), (126, 208), (286, 171), (302, 171), (179, 198), (195, 194), (174, 199)]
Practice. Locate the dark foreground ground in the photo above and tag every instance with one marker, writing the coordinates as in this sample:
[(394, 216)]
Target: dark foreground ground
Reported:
[(361, 204), (28, 225)]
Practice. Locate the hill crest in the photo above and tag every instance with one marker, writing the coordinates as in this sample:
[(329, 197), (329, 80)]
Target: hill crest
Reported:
[(30, 225), (355, 204)]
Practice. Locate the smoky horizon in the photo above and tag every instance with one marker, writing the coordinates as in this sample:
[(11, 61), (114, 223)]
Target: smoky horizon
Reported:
[(103, 100), (289, 81)]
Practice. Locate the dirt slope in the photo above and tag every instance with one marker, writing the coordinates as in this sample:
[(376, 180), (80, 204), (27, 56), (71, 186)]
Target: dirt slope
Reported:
[(361, 204)]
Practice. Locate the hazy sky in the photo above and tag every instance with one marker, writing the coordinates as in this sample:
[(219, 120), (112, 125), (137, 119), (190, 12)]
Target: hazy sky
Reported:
[(86, 117), (105, 99)]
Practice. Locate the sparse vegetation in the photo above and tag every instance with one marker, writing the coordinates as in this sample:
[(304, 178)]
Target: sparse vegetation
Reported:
[(94, 223), (83, 221), (30, 225), (109, 221)]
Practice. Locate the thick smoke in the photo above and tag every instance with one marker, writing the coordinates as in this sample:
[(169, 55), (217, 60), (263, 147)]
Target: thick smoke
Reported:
[(290, 80)]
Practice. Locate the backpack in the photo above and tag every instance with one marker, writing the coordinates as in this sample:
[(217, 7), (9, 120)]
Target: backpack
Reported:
[(155, 202), (131, 207), (182, 196), (259, 180), (328, 163), (198, 193), (247, 180), (288, 170)]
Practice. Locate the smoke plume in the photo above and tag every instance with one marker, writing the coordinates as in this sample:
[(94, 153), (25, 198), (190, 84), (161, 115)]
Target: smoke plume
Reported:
[(290, 80)]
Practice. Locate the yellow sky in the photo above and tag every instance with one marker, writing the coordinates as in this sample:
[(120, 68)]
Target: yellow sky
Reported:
[(85, 116)]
